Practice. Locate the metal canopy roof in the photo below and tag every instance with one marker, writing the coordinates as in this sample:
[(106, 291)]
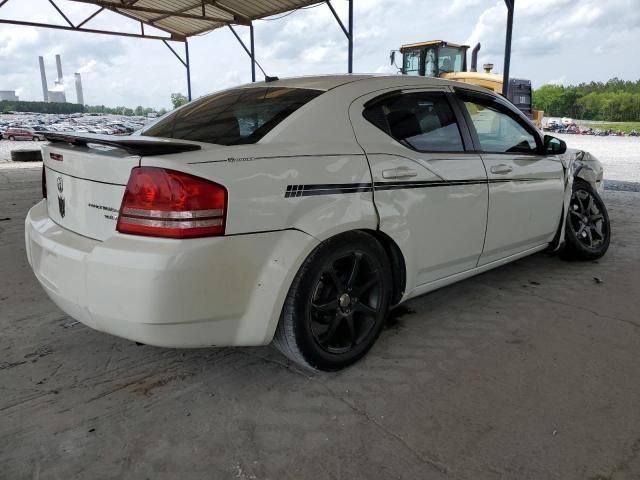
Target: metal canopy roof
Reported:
[(180, 19), (185, 18)]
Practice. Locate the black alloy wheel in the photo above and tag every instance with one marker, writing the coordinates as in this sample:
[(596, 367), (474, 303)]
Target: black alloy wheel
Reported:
[(588, 231), (345, 304), (337, 304)]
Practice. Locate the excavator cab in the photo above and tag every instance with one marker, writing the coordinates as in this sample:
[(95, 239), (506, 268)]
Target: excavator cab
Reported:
[(433, 58), (437, 58)]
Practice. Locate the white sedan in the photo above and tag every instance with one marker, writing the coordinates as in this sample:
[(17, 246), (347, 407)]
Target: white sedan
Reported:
[(300, 211)]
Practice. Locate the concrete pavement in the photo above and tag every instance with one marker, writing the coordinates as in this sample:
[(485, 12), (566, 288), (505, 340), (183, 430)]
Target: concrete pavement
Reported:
[(530, 371)]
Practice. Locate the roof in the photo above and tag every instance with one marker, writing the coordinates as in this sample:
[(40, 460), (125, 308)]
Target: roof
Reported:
[(431, 43), (317, 82), (364, 82), (185, 18)]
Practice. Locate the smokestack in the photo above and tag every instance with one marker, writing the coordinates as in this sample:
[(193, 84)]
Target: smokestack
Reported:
[(59, 67), (43, 77), (474, 58), (79, 94)]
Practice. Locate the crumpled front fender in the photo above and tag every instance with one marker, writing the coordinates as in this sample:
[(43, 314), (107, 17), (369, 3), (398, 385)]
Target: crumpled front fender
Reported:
[(582, 165), (589, 169)]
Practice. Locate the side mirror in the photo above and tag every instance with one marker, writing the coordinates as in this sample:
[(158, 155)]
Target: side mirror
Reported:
[(554, 146)]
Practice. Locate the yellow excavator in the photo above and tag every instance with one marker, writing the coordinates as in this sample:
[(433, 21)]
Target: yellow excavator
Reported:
[(438, 58)]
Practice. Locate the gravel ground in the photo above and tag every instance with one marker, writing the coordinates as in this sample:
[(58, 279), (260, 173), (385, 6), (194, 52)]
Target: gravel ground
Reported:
[(619, 155), (527, 372)]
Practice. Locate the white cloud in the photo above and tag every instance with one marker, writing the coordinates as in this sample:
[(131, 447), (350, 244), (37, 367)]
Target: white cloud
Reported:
[(88, 67), (458, 6), (12, 40), (558, 81)]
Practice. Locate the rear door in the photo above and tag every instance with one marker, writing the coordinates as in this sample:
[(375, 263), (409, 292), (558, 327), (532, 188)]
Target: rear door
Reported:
[(526, 187), (430, 190)]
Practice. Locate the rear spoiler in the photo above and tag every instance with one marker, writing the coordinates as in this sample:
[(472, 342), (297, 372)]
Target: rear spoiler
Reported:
[(143, 146)]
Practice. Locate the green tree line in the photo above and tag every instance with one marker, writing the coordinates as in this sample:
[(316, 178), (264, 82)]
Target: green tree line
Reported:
[(7, 106), (39, 107), (138, 111), (615, 101)]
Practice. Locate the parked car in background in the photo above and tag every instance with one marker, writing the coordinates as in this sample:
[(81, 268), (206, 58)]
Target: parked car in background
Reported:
[(23, 134), (78, 122), (300, 211)]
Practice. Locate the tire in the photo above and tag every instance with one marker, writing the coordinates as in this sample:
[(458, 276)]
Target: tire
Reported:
[(12, 138), (588, 231), (324, 325), (35, 139)]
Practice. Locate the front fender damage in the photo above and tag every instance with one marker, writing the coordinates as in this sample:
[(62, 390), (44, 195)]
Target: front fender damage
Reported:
[(582, 165)]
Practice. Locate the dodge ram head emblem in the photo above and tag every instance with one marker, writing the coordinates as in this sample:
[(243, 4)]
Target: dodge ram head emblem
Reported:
[(61, 205)]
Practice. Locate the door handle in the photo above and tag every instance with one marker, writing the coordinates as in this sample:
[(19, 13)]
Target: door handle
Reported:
[(501, 169), (400, 172)]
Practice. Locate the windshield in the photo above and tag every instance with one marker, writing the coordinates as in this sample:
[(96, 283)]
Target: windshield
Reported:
[(233, 117), (451, 59), (411, 61)]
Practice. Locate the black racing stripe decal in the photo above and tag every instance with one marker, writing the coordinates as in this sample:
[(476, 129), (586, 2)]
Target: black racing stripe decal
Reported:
[(326, 189), (448, 183), (507, 180), (294, 191), (426, 184)]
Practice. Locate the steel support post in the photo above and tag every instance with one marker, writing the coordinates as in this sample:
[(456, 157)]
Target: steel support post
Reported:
[(253, 54), (188, 65), (350, 36), (507, 47)]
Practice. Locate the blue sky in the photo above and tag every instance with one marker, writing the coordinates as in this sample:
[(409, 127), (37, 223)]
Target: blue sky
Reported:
[(559, 41)]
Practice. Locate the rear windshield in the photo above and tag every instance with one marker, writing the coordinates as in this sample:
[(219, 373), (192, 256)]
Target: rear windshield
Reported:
[(233, 117)]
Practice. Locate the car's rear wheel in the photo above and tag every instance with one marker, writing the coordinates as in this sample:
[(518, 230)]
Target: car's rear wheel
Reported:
[(12, 138), (35, 139), (337, 304), (588, 231)]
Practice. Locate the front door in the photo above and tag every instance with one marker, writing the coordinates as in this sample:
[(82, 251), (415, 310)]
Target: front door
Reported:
[(430, 190), (526, 187)]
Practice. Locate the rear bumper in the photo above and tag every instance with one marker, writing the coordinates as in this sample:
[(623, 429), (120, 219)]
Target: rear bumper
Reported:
[(174, 293)]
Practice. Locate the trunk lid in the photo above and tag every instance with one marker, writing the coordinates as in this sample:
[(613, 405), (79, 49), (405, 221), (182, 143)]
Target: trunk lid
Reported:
[(87, 175)]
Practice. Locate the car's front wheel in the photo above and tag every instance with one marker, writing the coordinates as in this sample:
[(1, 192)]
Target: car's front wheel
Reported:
[(588, 231), (337, 304)]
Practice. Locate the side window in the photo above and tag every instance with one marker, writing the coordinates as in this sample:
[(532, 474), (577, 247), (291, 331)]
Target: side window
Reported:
[(412, 63), (499, 132), (421, 121)]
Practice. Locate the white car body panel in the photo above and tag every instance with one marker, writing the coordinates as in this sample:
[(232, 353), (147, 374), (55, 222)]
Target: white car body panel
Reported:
[(320, 172), (409, 215), (443, 282), (179, 293), (525, 204), (87, 185), (258, 187)]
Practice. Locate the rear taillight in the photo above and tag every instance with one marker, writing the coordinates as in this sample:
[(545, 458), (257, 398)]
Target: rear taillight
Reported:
[(167, 203)]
